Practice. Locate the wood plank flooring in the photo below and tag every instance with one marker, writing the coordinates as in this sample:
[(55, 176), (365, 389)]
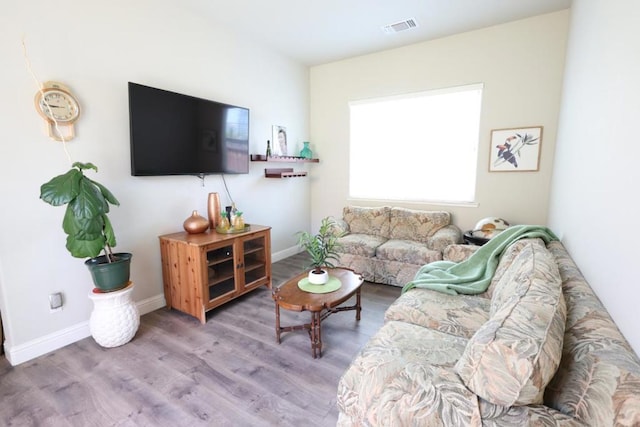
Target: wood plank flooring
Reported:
[(176, 372)]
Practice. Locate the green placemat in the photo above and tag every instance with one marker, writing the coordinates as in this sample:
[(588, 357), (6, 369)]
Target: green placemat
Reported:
[(332, 285)]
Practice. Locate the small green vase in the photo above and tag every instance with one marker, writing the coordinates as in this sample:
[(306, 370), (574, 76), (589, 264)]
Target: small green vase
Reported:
[(306, 152)]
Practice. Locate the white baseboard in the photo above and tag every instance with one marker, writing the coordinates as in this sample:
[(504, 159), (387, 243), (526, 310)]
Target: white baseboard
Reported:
[(43, 345), (277, 256), (35, 348), (151, 304)]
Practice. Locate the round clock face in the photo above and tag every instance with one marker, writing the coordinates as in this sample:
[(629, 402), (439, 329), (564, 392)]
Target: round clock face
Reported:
[(57, 105)]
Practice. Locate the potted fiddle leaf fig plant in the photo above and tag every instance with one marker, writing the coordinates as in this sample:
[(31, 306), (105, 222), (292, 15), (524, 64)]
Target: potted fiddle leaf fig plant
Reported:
[(322, 247), (88, 228)]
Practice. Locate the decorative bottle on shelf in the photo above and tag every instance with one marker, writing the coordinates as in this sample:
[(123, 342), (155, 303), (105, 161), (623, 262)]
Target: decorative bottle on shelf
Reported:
[(306, 152), (268, 148), (229, 210), (231, 213)]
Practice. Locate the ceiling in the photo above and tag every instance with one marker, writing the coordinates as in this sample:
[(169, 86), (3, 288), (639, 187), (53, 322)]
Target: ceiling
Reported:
[(320, 31)]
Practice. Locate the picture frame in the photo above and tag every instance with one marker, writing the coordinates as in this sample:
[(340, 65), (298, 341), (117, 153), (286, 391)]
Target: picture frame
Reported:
[(515, 149), (279, 138)]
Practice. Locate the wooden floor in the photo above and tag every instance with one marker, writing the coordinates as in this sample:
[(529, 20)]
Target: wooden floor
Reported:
[(176, 372)]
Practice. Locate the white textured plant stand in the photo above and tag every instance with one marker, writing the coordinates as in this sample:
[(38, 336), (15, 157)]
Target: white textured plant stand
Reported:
[(115, 318)]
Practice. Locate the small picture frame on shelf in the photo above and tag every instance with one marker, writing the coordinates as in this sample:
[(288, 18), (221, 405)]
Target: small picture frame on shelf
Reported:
[(515, 150), (279, 138)]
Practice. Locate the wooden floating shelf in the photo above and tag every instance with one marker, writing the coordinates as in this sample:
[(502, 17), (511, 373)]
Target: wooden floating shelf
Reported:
[(294, 159), (283, 173)]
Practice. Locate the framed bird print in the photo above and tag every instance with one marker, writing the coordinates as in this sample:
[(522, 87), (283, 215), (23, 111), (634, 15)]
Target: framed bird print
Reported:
[(515, 150)]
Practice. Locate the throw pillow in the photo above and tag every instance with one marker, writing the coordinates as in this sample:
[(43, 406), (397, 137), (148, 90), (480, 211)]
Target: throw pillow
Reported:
[(419, 226), (510, 360), (373, 221), (506, 259)]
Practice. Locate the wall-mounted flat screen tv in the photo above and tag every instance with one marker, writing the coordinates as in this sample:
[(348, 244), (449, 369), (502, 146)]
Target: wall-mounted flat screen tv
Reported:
[(175, 134)]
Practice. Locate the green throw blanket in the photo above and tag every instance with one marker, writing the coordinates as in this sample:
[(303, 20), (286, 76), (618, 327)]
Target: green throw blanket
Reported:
[(474, 275)]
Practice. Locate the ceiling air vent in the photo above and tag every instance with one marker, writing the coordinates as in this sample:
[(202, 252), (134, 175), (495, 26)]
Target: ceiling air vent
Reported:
[(400, 26)]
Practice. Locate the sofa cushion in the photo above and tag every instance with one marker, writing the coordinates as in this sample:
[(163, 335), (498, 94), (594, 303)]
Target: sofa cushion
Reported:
[(373, 221), (459, 315), (528, 415), (404, 376), (360, 244), (511, 358), (409, 224), (408, 251)]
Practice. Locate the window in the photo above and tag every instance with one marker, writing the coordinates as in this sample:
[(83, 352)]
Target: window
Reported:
[(417, 147)]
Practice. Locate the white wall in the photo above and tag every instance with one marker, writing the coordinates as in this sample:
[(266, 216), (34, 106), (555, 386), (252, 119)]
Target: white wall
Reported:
[(521, 65), (96, 49), (594, 202)]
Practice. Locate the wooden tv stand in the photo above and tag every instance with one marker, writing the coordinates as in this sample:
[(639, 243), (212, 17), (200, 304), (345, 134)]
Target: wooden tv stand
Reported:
[(203, 271)]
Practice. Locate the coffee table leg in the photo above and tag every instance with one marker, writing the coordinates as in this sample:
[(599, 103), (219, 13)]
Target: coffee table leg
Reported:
[(358, 305), (277, 323), (319, 336), (316, 340)]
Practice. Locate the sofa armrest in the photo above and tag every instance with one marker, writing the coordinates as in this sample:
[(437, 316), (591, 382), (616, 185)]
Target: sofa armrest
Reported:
[(458, 252), (339, 227), (444, 237)]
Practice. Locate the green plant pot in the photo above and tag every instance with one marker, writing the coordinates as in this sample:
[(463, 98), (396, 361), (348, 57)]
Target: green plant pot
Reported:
[(110, 276)]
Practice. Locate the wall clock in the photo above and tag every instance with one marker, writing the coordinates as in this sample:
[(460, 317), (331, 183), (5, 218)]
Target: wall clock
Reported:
[(59, 108)]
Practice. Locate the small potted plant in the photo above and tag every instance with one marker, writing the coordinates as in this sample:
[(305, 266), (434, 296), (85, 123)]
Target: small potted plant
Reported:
[(322, 248), (87, 225)]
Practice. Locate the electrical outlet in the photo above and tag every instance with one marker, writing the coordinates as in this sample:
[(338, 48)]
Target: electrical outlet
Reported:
[(55, 302)]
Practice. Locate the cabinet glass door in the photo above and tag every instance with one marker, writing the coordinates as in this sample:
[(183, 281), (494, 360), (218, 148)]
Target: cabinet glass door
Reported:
[(220, 272), (255, 271)]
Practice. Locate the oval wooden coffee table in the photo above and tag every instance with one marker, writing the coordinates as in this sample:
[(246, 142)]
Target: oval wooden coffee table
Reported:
[(321, 305)]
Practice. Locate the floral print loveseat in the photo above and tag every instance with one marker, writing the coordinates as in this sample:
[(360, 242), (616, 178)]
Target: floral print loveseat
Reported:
[(537, 348), (389, 244)]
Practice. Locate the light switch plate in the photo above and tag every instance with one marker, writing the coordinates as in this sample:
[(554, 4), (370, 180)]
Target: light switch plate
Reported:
[(55, 301)]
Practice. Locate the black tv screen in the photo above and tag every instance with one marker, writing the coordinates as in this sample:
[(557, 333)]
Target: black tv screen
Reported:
[(175, 134)]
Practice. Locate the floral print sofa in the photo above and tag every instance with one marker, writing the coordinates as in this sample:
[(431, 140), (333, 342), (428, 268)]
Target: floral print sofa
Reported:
[(388, 244), (537, 348)]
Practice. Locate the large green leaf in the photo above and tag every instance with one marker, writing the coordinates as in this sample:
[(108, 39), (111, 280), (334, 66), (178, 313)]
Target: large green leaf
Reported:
[(106, 194), (82, 228), (85, 248), (89, 202), (83, 166), (62, 188), (85, 221)]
